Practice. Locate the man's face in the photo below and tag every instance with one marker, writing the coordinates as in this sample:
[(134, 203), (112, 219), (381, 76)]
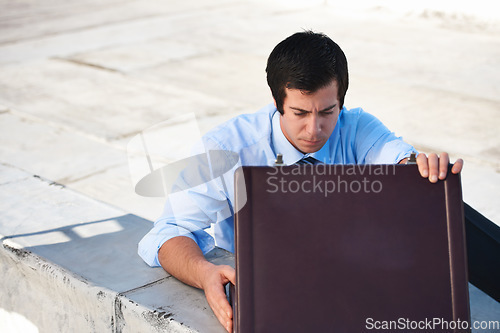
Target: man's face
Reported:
[(309, 118)]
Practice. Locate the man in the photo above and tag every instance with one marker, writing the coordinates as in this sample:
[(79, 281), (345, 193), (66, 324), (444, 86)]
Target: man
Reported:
[(308, 77)]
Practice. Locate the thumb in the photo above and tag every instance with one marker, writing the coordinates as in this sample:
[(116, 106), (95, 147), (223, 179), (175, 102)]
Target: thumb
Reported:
[(230, 274)]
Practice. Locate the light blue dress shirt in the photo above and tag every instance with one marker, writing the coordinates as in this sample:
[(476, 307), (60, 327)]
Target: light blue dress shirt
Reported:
[(358, 138)]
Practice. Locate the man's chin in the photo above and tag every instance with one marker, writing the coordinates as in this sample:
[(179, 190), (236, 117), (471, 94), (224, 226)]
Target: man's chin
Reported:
[(310, 147), (310, 150)]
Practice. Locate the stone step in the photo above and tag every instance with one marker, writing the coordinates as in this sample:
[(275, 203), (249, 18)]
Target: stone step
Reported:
[(70, 263)]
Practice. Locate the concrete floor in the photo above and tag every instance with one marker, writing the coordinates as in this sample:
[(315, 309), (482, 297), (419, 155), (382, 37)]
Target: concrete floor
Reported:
[(79, 80)]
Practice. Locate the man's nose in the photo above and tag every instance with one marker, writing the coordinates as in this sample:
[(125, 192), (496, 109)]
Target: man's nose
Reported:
[(313, 125)]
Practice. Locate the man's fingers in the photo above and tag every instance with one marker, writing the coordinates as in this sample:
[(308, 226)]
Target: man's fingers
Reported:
[(217, 300), (436, 167), (216, 295), (444, 160), (225, 310), (423, 167), (457, 167), (433, 167)]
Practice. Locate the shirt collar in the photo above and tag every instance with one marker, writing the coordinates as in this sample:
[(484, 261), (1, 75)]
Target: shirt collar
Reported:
[(290, 154)]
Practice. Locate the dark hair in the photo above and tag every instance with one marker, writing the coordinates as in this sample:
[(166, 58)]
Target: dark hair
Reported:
[(307, 61)]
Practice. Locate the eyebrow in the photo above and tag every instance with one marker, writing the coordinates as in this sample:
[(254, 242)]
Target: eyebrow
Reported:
[(325, 109)]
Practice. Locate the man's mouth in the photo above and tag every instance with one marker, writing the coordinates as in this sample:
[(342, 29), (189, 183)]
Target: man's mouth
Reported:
[(312, 142)]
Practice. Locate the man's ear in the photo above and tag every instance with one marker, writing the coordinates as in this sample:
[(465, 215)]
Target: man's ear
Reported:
[(275, 105)]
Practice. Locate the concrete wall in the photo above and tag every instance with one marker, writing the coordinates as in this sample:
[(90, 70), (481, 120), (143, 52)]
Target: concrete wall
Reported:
[(69, 263)]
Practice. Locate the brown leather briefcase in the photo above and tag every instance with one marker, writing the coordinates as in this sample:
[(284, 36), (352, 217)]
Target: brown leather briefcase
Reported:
[(349, 249)]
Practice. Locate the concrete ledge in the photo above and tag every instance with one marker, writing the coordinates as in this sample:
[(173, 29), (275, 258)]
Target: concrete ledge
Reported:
[(69, 263), (57, 300)]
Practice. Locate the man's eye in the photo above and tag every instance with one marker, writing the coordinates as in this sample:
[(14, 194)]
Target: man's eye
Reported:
[(300, 113)]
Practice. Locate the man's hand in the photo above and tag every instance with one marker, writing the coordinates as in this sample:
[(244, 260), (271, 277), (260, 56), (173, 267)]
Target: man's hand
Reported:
[(435, 167), (213, 282), (181, 257)]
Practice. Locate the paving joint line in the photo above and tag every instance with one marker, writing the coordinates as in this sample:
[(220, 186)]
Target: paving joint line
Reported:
[(147, 285), (87, 64), (172, 15), (68, 181)]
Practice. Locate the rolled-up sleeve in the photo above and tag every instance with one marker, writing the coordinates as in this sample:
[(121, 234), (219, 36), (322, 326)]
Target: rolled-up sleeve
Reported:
[(198, 199), (376, 144)]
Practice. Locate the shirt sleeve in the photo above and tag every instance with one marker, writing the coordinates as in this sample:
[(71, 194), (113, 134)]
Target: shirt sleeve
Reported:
[(197, 199), (376, 144)]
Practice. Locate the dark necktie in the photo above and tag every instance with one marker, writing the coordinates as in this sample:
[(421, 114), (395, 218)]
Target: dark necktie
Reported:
[(308, 160)]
